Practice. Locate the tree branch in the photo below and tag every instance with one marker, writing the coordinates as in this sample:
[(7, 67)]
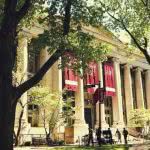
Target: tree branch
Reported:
[(145, 43), (23, 10), (144, 51), (144, 3), (10, 6), (39, 75), (67, 17)]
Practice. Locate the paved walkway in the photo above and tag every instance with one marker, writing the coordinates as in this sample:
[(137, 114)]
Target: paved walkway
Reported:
[(134, 147), (140, 147)]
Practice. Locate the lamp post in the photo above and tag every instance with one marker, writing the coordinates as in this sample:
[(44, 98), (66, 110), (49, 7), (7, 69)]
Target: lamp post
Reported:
[(100, 99), (99, 86)]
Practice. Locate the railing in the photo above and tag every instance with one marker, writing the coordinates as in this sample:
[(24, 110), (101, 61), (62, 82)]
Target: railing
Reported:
[(34, 139)]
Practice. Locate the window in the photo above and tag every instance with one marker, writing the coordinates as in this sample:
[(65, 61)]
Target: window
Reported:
[(33, 107), (33, 115), (133, 88), (144, 89), (123, 93), (33, 60)]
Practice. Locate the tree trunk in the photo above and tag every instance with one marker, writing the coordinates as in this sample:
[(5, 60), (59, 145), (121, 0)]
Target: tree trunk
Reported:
[(19, 127), (7, 91), (7, 115)]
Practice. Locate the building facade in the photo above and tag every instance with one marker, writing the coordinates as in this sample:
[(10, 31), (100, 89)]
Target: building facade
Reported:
[(131, 77)]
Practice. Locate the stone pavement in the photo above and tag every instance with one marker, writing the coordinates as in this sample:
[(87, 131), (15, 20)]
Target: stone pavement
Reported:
[(134, 147), (140, 147)]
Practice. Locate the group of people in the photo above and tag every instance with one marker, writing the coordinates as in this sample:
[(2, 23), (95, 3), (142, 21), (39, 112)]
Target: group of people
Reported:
[(125, 135), (107, 136)]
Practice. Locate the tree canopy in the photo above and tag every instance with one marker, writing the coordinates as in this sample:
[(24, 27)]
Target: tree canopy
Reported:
[(131, 16)]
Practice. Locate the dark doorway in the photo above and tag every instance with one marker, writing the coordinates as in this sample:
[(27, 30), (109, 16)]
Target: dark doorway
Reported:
[(88, 116)]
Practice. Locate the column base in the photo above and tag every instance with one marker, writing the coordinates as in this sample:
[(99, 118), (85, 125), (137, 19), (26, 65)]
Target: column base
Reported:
[(76, 132), (104, 125), (119, 124), (80, 130)]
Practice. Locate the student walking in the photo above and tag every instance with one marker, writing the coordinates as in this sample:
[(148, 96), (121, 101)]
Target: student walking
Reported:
[(125, 135), (98, 134), (90, 137), (110, 136), (118, 134)]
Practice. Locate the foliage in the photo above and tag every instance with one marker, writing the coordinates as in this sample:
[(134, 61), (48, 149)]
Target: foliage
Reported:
[(70, 37), (139, 117), (58, 18), (50, 105), (131, 16)]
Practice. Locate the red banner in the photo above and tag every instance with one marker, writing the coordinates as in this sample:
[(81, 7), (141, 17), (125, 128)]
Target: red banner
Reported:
[(109, 79), (70, 80), (92, 77)]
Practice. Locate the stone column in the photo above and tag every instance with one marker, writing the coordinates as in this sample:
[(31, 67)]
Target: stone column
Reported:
[(139, 88), (128, 90), (25, 70), (147, 84), (57, 87), (79, 103), (22, 66), (47, 79), (80, 127), (57, 77), (21, 74), (117, 99), (103, 121)]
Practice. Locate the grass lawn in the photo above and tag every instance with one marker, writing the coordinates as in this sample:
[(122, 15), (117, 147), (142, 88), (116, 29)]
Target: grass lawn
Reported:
[(106, 147)]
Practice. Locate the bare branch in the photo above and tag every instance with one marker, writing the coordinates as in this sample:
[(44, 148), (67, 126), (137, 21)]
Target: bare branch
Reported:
[(23, 10)]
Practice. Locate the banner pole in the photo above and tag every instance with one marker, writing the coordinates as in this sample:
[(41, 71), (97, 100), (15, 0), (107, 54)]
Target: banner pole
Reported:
[(99, 86)]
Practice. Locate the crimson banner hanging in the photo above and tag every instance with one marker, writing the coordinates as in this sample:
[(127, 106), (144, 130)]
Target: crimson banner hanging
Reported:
[(70, 80), (92, 77), (109, 79)]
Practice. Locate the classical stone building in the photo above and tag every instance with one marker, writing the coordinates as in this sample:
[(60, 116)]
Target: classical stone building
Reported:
[(132, 85)]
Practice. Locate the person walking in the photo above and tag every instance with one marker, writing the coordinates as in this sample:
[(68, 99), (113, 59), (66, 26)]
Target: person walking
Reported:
[(90, 137), (118, 134), (110, 136), (98, 134), (125, 135)]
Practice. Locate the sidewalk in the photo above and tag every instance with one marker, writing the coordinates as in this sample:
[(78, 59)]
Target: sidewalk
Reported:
[(134, 147)]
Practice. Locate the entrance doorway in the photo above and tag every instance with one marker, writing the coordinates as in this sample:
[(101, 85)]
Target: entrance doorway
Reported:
[(108, 111), (88, 118)]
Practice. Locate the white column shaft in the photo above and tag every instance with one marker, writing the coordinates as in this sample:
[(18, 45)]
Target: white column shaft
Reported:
[(103, 121), (79, 103), (117, 99), (147, 84), (128, 90), (139, 88)]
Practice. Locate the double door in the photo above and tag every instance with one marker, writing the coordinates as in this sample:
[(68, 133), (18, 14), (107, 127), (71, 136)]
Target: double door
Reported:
[(108, 111)]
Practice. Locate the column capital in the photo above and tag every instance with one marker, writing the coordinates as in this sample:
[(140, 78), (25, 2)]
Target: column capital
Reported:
[(138, 69), (115, 59), (129, 66), (147, 71)]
